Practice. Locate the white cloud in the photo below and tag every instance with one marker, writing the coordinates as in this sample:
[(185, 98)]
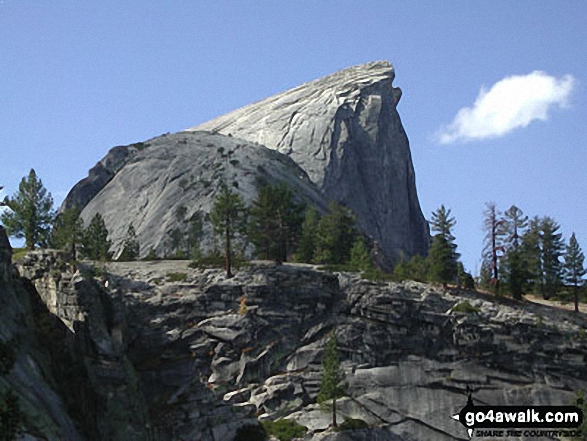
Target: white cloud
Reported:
[(510, 103)]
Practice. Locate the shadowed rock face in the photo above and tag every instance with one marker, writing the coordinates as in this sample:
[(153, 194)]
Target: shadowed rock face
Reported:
[(345, 132), (99, 175)]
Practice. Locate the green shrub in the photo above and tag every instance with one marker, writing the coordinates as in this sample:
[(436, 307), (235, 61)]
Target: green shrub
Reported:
[(377, 275), (18, 253), (251, 432), (284, 430), (465, 307), (176, 277), (352, 424)]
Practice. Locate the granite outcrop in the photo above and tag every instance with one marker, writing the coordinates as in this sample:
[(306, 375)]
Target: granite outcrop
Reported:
[(336, 138), (344, 130), (181, 173), (160, 350), (70, 373)]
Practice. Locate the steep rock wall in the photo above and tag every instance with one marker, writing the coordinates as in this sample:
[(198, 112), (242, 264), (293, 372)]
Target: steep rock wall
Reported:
[(70, 373), (345, 132)]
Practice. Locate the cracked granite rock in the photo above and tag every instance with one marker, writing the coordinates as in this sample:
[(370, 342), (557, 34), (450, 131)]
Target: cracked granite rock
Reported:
[(336, 138), (345, 132), (179, 170)]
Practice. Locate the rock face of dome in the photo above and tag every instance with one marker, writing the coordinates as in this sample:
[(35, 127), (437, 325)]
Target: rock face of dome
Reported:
[(336, 138), (345, 132), (148, 184)]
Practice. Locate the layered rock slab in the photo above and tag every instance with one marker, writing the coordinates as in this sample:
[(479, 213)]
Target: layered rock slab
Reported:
[(345, 132), (409, 358)]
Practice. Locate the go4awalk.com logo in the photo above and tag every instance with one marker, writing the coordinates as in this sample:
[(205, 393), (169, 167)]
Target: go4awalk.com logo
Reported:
[(518, 421)]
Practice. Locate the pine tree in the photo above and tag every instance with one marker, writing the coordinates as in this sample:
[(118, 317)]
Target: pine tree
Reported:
[(513, 271), (275, 222), (95, 241), (531, 256), (228, 218), (360, 257), (442, 257), (465, 279), (183, 240), (442, 222), (442, 263), (331, 387), (31, 212), (414, 269), (195, 230), (307, 241), (574, 269), (130, 247), (68, 229), (418, 268), (401, 270), (484, 276), (335, 235), (515, 224), (493, 226), (552, 250)]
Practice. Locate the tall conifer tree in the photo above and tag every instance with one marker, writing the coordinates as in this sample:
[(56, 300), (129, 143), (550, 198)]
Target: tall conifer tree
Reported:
[(130, 247), (275, 220), (331, 387), (68, 230), (335, 235), (442, 257), (228, 218), (531, 256), (574, 268), (552, 250), (513, 268), (493, 226), (31, 212), (307, 241), (95, 241)]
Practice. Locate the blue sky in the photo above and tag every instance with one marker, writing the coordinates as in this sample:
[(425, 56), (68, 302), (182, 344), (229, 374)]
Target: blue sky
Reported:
[(77, 78)]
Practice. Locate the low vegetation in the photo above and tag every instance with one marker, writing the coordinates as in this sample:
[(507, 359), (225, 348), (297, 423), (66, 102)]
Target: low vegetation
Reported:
[(352, 424), (176, 277), (465, 307), (284, 430)]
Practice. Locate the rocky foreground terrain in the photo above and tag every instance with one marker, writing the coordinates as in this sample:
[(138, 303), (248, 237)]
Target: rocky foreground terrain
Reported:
[(160, 351)]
